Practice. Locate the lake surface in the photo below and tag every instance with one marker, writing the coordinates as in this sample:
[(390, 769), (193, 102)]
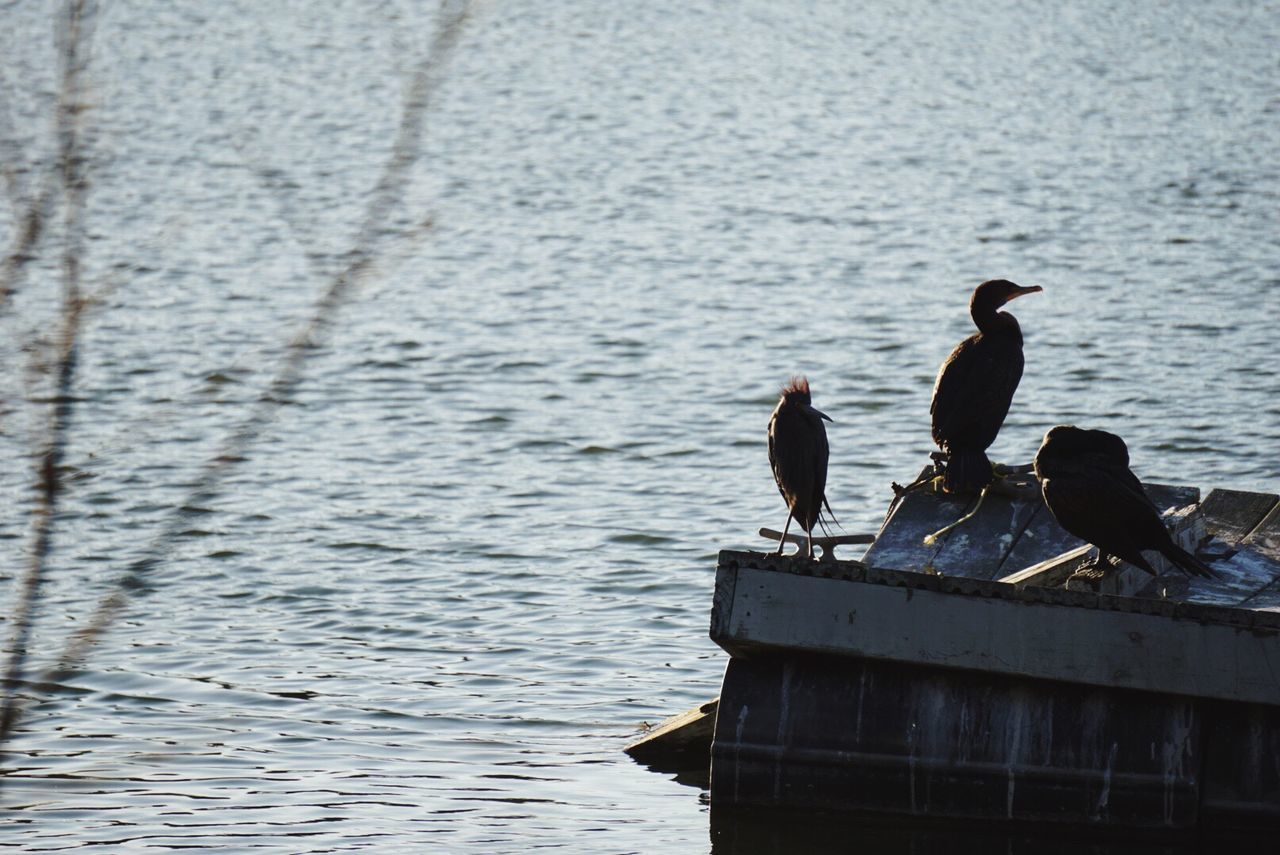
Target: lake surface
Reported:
[(449, 582)]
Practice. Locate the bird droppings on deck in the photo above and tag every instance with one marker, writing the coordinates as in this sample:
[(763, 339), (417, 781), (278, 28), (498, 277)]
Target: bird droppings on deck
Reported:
[(1101, 810)]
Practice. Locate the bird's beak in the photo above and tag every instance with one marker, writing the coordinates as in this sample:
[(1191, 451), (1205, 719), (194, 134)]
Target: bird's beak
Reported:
[(821, 414), (1030, 289)]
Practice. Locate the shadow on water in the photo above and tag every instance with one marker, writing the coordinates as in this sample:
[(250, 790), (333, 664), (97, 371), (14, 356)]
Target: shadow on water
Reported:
[(756, 832), (763, 831)]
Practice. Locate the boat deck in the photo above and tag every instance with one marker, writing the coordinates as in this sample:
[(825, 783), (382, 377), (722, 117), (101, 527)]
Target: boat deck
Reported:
[(960, 679)]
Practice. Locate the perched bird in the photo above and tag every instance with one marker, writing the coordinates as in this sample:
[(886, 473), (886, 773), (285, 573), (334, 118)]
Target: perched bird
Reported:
[(798, 454), (1088, 486), (975, 386)]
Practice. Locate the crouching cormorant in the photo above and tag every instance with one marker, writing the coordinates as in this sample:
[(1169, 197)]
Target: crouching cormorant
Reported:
[(975, 386), (1088, 486), (798, 454)]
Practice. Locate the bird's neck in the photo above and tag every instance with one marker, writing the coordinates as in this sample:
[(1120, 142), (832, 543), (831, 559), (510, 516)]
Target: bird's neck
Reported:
[(993, 322)]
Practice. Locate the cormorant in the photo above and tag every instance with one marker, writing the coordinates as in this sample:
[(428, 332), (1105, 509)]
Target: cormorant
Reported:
[(975, 386), (1088, 486), (798, 454)]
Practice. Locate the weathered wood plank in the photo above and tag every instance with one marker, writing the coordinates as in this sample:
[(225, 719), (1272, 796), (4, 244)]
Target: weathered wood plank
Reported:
[(1178, 648), (976, 549), (1268, 599), (1248, 579), (900, 544), (1231, 514), (1265, 537), (1053, 571), (1042, 539), (680, 742), (1240, 580), (1168, 496)]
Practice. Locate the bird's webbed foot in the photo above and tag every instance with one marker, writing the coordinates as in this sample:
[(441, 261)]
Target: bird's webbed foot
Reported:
[(1093, 571)]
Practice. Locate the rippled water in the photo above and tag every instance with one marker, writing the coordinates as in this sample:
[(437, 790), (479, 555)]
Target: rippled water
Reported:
[(451, 581)]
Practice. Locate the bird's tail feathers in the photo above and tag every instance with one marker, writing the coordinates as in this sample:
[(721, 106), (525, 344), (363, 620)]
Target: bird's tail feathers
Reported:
[(967, 472), (1188, 563), (827, 518)]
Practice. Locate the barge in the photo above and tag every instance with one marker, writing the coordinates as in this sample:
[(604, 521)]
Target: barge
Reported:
[(977, 676)]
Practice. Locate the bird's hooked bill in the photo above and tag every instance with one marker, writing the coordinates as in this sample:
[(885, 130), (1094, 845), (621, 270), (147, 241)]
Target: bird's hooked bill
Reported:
[(1027, 289), (821, 414)]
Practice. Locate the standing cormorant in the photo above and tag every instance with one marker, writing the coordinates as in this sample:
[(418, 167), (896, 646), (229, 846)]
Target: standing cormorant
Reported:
[(1088, 486), (975, 386), (798, 454)]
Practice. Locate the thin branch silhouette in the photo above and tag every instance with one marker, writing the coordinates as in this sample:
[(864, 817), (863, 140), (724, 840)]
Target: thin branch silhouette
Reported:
[(370, 242), (74, 29)]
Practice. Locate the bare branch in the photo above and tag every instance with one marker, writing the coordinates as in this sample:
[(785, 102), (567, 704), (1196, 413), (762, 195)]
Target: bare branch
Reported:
[(50, 490), (27, 237), (73, 29), (11, 156), (370, 239)]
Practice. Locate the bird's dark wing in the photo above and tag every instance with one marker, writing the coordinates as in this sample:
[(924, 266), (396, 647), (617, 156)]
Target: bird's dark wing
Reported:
[(1106, 507), (1133, 488), (773, 453), (1076, 503), (798, 455), (973, 391), (953, 378), (822, 453), (790, 454), (1119, 477)]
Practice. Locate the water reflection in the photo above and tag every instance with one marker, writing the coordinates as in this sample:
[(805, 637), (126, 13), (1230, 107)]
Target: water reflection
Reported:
[(763, 833)]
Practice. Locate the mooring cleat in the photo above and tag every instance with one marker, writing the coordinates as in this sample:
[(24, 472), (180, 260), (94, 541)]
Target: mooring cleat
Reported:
[(824, 547)]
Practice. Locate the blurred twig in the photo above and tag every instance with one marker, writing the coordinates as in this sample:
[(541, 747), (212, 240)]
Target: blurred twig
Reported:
[(11, 156), (280, 188), (74, 29), (26, 238), (369, 244)]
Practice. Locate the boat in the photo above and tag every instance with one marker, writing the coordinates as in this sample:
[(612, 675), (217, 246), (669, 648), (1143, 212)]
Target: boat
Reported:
[(985, 675)]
